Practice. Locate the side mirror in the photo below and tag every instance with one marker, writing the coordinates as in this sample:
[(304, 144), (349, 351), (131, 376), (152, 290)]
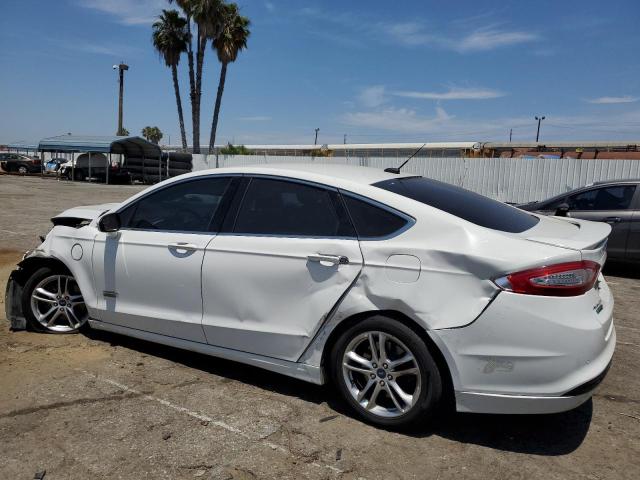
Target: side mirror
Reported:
[(562, 210), (110, 222)]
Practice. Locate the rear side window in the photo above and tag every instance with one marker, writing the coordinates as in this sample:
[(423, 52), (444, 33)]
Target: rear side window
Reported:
[(462, 203), (281, 207), (372, 221)]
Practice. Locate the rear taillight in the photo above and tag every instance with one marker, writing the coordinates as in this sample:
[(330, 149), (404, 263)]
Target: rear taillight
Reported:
[(560, 280)]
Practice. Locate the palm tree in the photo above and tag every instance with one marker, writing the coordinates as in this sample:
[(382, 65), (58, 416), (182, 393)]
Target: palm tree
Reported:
[(153, 134), (231, 39), (187, 8), (170, 39), (206, 15)]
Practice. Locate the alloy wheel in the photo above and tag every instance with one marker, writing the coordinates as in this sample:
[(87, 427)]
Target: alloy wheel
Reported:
[(381, 374), (57, 304)]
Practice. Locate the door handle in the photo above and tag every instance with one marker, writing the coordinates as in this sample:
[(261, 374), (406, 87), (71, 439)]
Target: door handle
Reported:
[(334, 259), (183, 246), (612, 219)]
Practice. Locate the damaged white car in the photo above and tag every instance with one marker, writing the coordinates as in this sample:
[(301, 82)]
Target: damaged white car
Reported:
[(400, 290)]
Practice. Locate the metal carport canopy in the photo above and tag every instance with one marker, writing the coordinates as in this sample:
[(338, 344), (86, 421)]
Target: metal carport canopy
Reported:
[(23, 145), (127, 145)]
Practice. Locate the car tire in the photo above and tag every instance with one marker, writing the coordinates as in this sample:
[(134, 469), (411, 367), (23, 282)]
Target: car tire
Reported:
[(54, 291), (22, 170), (403, 400), (180, 165)]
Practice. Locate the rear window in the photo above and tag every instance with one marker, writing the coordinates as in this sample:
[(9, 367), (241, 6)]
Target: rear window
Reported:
[(462, 203)]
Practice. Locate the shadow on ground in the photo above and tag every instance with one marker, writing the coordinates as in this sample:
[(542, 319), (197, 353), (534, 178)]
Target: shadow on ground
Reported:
[(556, 434)]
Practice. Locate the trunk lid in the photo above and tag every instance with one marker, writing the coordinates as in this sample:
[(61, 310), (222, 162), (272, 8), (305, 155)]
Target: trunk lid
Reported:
[(589, 238)]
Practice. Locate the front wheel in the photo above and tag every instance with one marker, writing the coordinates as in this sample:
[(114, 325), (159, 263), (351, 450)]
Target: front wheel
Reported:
[(385, 372), (52, 302), (22, 170)]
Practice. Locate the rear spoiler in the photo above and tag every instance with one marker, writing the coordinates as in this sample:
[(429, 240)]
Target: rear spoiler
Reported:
[(590, 235), (590, 239)]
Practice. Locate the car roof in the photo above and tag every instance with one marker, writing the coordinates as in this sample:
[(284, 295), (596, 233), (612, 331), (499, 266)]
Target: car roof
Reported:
[(331, 174), (607, 182), (588, 186)]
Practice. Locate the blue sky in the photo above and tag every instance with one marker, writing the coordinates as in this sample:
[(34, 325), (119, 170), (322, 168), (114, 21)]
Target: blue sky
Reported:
[(377, 71)]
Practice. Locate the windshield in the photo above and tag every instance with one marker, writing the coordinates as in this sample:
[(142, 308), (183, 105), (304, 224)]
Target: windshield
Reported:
[(462, 203)]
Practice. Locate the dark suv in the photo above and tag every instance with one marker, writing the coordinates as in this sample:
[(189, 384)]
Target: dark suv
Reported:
[(14, 162), (616, 202)]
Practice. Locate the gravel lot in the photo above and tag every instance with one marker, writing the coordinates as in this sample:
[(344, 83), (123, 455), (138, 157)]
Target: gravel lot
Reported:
[(103, 406)]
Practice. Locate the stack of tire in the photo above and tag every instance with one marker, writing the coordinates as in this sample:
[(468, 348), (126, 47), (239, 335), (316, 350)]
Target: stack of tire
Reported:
[(153, 170)]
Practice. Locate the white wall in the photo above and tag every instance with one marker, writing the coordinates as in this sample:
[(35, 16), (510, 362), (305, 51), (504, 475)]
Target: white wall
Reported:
[(505, 179)]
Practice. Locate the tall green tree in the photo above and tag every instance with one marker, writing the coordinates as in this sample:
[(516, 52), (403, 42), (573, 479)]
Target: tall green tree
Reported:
[(206, 15), (153, 134), (171, 38), (231, 39)]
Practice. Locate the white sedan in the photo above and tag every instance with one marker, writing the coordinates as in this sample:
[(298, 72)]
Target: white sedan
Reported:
[(400, 290)]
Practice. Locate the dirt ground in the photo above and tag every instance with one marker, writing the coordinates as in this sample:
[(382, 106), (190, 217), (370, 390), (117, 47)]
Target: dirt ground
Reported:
[(104, 406)]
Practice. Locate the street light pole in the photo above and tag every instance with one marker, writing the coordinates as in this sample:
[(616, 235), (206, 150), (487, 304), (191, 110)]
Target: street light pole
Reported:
[(121, 69), (315, 142), (539, 119)]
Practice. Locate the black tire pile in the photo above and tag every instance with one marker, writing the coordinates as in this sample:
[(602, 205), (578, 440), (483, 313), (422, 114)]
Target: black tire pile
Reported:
[(153, 170)]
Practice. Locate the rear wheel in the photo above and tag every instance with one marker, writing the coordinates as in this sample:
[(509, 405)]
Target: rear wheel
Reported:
[(52, 302), (22, 170), (385, 372)]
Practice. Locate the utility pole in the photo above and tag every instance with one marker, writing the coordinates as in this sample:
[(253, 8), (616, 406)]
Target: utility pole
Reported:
[(539, 119), (510, 134), (121, 67), (345, 139), (315, 142)]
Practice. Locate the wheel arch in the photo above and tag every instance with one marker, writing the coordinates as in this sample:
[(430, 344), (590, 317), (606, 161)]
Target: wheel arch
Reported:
[(31, 264), (434, 350), (17, 281)]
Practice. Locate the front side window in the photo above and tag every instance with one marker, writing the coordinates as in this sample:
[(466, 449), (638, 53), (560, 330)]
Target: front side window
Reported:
[(608, 198), (469, 206), (184, 207), (281, 207)]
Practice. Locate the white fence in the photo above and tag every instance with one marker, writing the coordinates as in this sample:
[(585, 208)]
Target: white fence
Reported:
[(505, 179)]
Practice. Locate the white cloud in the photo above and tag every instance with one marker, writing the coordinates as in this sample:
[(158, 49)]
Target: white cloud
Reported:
[(492, 38), (269, 6), (128, 12), (482, 39), (410, 34), (454, 93), (460, 36), (406, 122), (398, 119), (256, 118), (612, 100), (372, 96), (107, 48)]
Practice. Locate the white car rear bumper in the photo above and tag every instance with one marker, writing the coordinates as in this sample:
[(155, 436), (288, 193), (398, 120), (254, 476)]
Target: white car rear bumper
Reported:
[(531, 354), (513, 404)]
